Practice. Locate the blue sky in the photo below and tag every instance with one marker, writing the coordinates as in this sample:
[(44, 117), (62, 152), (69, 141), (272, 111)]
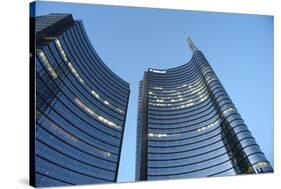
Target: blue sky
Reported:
[(239, 47)]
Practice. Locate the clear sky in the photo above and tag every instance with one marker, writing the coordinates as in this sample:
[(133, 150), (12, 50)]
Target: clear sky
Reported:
[(239, 47)]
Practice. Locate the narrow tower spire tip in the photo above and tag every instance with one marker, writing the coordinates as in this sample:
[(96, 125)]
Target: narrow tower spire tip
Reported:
[(191, 45)]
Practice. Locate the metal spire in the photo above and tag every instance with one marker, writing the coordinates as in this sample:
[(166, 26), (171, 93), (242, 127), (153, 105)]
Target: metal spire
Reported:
[(191, 45)]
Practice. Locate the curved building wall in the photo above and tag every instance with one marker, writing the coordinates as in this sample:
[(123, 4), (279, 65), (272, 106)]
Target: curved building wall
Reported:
[(81, 108), (189, 127)]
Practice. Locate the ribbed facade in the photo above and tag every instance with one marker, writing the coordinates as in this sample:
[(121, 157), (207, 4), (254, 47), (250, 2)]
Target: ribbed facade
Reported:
[(80, 106), (188, 126)]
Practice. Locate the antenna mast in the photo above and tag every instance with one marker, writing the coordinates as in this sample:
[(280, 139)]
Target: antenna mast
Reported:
[(191, 45)]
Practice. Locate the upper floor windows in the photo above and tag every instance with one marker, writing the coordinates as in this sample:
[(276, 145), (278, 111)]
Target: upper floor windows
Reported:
[(228, 110), (63, 55), (157, 71), (97, 96), (94, 114), (57, 42), (160, 135), (66, 135), (187, 86), (183, 104), (47, 64), (79, 78), (214, 124), (73, 70)]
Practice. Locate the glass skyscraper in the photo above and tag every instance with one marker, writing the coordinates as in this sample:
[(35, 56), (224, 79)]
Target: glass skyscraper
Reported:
[(188, 126), (78, 107)]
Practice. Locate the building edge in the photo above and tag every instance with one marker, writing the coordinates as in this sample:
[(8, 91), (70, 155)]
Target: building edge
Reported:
[(32, 99)]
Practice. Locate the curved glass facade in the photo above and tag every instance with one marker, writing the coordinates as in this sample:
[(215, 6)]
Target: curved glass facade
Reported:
[(81, 107), (188, 126)]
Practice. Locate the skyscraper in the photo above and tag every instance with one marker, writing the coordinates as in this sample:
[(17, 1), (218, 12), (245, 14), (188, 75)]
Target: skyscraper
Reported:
[(78, 107), (188, 126)]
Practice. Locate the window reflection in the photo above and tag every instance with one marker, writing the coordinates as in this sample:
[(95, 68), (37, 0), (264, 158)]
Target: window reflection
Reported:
[(159, 135), (59, 46), (97, 96), (157, 71), (57, 42), (228, 110), (189, 85), (47, 64), (183, 104), (261, 167), (73, 70), (60, 131), (177, 96), (94, 114), (214, 124)]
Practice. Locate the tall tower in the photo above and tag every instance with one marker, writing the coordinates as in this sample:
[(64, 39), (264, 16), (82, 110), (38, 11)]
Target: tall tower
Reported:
[(78, 107), (188, 126)]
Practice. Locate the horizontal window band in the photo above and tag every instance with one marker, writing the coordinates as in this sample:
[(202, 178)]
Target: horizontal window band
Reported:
[(194, 149), (79, 108), (53, 49), (223, 96), (190, 138), (103, 73), (73, 158), (183, 113), (71, 170), (201, 112), (105, 110), (229, 132), (174, 82), (74, 147), (187, 111), (79, 138), (48, 176), (175, 79), (181, 70), (91, 52), (78, 127), (213, 113), (82, 86), (173, 72), (198, 162), (69, 42), (194, 98), (193, 156), (83, 131), (191, 92), (174, 93), (210, 93), (200, 75), (199, 169)]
